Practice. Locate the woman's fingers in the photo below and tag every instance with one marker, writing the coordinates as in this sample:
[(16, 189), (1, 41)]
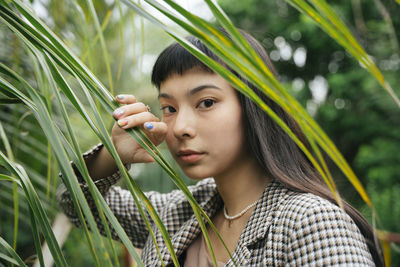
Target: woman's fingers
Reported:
[(125, 99), (155, 128), (130, 109), (156, 131), (137, 114), (136, 120)]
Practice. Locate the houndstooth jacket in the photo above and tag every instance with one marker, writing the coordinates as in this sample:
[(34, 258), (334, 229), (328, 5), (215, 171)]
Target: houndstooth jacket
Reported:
[(286, 228)]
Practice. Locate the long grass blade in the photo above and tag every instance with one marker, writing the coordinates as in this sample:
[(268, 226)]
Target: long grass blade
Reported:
[(327, 19), (73, 139), (34, 203), (4, 177), (15, 186), (36, 238), (132, 186), (44, 223), (51, 44), (102, 42), (8, 259), (12, 252), (121, 42), (80, 164), (51, 68), (97, 37), (7, 101)]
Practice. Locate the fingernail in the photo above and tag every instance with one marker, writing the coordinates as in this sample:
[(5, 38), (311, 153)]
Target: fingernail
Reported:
[(118, 112), (120, 97), (148, 125), (122, 123)]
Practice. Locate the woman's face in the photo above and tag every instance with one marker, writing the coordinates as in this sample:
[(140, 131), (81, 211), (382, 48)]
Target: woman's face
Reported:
[(204, 118)]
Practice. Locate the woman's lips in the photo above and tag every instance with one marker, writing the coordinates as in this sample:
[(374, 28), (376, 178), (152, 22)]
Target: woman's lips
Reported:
[(189, 156)]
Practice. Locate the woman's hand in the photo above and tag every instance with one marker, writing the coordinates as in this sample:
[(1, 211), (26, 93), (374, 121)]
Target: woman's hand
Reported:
[(135, 114)]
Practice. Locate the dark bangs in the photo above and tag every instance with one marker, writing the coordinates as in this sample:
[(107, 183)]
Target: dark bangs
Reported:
[(177, 60)]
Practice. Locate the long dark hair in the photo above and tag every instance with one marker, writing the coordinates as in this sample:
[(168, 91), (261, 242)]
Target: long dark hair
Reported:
[(274, 150)]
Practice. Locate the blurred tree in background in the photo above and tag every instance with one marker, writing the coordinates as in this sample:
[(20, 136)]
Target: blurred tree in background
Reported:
[(350, 106), (357, 114)]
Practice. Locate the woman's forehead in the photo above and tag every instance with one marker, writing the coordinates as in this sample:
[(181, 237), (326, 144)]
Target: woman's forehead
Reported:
[(190, 77), (188, 73), (192, 82)]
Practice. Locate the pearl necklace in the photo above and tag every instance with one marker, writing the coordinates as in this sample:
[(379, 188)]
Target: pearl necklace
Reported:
[(240, 214)]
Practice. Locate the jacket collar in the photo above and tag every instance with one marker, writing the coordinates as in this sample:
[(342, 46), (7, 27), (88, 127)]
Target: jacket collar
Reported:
[(191, 228), (256, 227), (263, 213), (259, 222)]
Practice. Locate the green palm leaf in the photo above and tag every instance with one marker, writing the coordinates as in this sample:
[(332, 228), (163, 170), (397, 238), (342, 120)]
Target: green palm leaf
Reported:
[(327, 19), (35, 205), (11, 251)]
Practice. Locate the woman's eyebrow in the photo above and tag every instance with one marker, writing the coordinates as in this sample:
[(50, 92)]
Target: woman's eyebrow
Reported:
[(192, 91), (164, 95), (202, 87)]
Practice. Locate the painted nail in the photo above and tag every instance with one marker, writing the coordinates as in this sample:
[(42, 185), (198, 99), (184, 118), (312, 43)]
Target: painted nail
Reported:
[(118, 112), (148, 125), (120, 97), (122, 123)]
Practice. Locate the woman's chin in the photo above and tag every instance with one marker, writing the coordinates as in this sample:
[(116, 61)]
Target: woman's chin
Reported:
[(195, 175)]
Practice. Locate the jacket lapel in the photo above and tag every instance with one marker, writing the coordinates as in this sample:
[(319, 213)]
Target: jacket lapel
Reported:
[(190, 229), (259, 223)]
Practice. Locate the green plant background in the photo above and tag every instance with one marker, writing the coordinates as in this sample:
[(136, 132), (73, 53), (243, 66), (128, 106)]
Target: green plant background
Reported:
[(357, 114)]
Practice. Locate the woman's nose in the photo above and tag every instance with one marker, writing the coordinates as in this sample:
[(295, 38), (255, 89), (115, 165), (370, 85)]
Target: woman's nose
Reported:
[(184, 126)]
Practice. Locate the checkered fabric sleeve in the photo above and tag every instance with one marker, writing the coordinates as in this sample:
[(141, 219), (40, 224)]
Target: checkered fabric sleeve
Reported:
[(120, 202), (324, 235)]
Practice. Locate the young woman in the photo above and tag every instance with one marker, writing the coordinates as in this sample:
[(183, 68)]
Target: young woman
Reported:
[(264, 197)]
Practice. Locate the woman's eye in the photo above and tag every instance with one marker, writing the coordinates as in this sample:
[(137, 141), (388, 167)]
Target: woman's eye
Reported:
[(207, 103), (168, 110)]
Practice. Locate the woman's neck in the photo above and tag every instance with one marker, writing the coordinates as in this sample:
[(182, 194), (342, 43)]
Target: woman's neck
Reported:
[(241, 186)]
